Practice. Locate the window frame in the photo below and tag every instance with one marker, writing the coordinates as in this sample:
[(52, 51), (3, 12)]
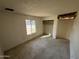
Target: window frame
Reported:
[(31, 24)]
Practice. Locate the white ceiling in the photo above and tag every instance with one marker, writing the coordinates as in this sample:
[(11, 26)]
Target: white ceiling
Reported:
[(41, 7)]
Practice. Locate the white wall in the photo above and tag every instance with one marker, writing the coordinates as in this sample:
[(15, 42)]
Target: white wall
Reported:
[(14, 31), (1, 51), (55, 28), (53, 17), (48, 26), (74, 40), (64, 28)]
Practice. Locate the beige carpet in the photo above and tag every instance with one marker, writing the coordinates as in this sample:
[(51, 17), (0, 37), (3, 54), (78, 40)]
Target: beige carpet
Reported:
[(42, 48)]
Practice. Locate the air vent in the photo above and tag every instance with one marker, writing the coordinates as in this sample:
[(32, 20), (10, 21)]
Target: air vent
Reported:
[(9, 9)]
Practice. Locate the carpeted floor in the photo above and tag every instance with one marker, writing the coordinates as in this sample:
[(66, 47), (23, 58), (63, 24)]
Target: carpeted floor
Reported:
[(41, 48)]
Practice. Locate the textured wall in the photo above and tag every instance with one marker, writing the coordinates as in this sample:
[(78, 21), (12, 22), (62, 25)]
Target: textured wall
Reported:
[(14, 31), (64, 28), (1, 50), (74, 40), (48, 26)]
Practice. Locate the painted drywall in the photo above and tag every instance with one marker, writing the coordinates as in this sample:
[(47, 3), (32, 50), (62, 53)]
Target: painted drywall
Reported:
[(14, 31), (74, 40), (64, 28), (48, 27), (1, 50), (55, 27), (1, 53), (55, 24)]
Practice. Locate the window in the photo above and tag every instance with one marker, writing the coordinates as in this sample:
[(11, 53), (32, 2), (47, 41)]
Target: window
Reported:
[(30, 26)]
